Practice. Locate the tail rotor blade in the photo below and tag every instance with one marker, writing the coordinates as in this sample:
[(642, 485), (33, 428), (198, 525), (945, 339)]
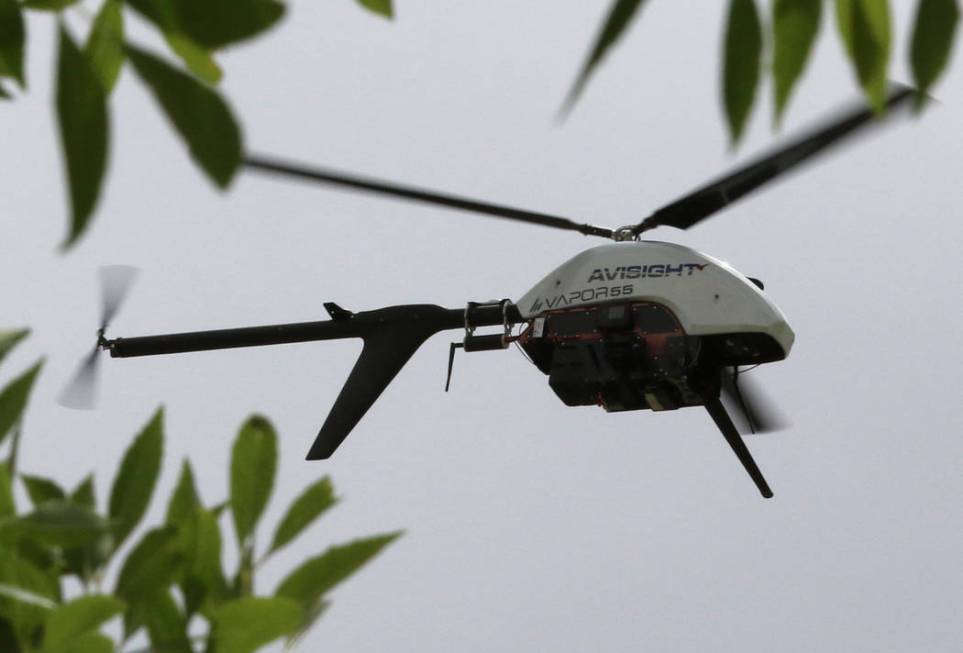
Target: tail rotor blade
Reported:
[(81, 392), (115, 281)]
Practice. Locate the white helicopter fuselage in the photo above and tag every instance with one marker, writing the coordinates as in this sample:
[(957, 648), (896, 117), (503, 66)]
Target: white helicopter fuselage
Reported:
[(706, 295)]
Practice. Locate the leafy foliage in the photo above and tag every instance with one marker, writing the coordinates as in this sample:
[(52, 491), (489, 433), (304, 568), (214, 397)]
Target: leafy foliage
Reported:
[(83, 120), (864, 27), (795, 24), (198, 113), (933, 36), (136, 477), (619, 18), (380, 7), (741, 62), (173, 575), (13, 399)]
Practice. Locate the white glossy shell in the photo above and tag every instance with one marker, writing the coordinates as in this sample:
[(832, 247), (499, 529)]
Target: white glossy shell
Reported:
[(707, 295)]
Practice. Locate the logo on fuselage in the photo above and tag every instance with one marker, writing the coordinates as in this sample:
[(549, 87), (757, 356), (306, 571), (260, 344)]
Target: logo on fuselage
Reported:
[(654, 271)]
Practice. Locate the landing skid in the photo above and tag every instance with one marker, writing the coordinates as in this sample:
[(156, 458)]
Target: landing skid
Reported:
[(719, 415)]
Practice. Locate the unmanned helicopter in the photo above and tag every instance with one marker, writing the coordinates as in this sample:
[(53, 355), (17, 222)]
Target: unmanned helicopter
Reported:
[(631, 325)]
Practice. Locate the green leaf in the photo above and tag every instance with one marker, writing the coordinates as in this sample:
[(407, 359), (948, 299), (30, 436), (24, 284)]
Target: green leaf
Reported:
[(184, 499), (742, 57), (9, 339), (4, 93), (198, 60), (12, 40), (8, 506), (136, 478), (41, 490), (380, 7), (152, 566), (619, 18), (84, 132), (198, 113), (27, 594), (203, 573), (78, 617), (934, 32), (795, 24), (315, 577), (864, 26), (314, 501), (253, 465), (167, 625), (85, 560), (48, 5), (83, 494), (91, 643), (212, 24), (105, 45), (217, 23), (13, 399), (246, 624), (60, 524)]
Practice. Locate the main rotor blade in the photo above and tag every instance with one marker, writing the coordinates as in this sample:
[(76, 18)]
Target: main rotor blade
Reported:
[(81, 391), (759, 414), (115, 281), (704, 202), (348, 180)]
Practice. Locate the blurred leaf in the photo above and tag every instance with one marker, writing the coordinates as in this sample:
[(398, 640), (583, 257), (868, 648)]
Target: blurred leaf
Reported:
[(212, 24), (198, 60), (9, 339), (83, 494), (253, 466), (48, 5), (933, 36), (136, 478), (308, 619), (198, 113), (151, 566), (315, 577), (380, 7), (795, 26), (743, 55), (27, 594), (24, 596), (167, 625), (216, 23), (13, 399), (84, 132), (8, 638), (40, 490), (314, 501), (91, 643), (105, 45), (85, 560), (8, 506), (4, 94), (77, 617), (203, 574), (246, 624), (619, 18), (12, 39), (864, 26), (60, 524), (184, 499)]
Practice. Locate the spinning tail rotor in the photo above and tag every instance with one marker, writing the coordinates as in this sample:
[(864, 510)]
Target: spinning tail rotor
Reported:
[(115, 283)]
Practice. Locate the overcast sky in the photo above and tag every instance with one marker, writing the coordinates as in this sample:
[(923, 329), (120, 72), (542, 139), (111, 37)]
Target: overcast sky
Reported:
[(530, 526)]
